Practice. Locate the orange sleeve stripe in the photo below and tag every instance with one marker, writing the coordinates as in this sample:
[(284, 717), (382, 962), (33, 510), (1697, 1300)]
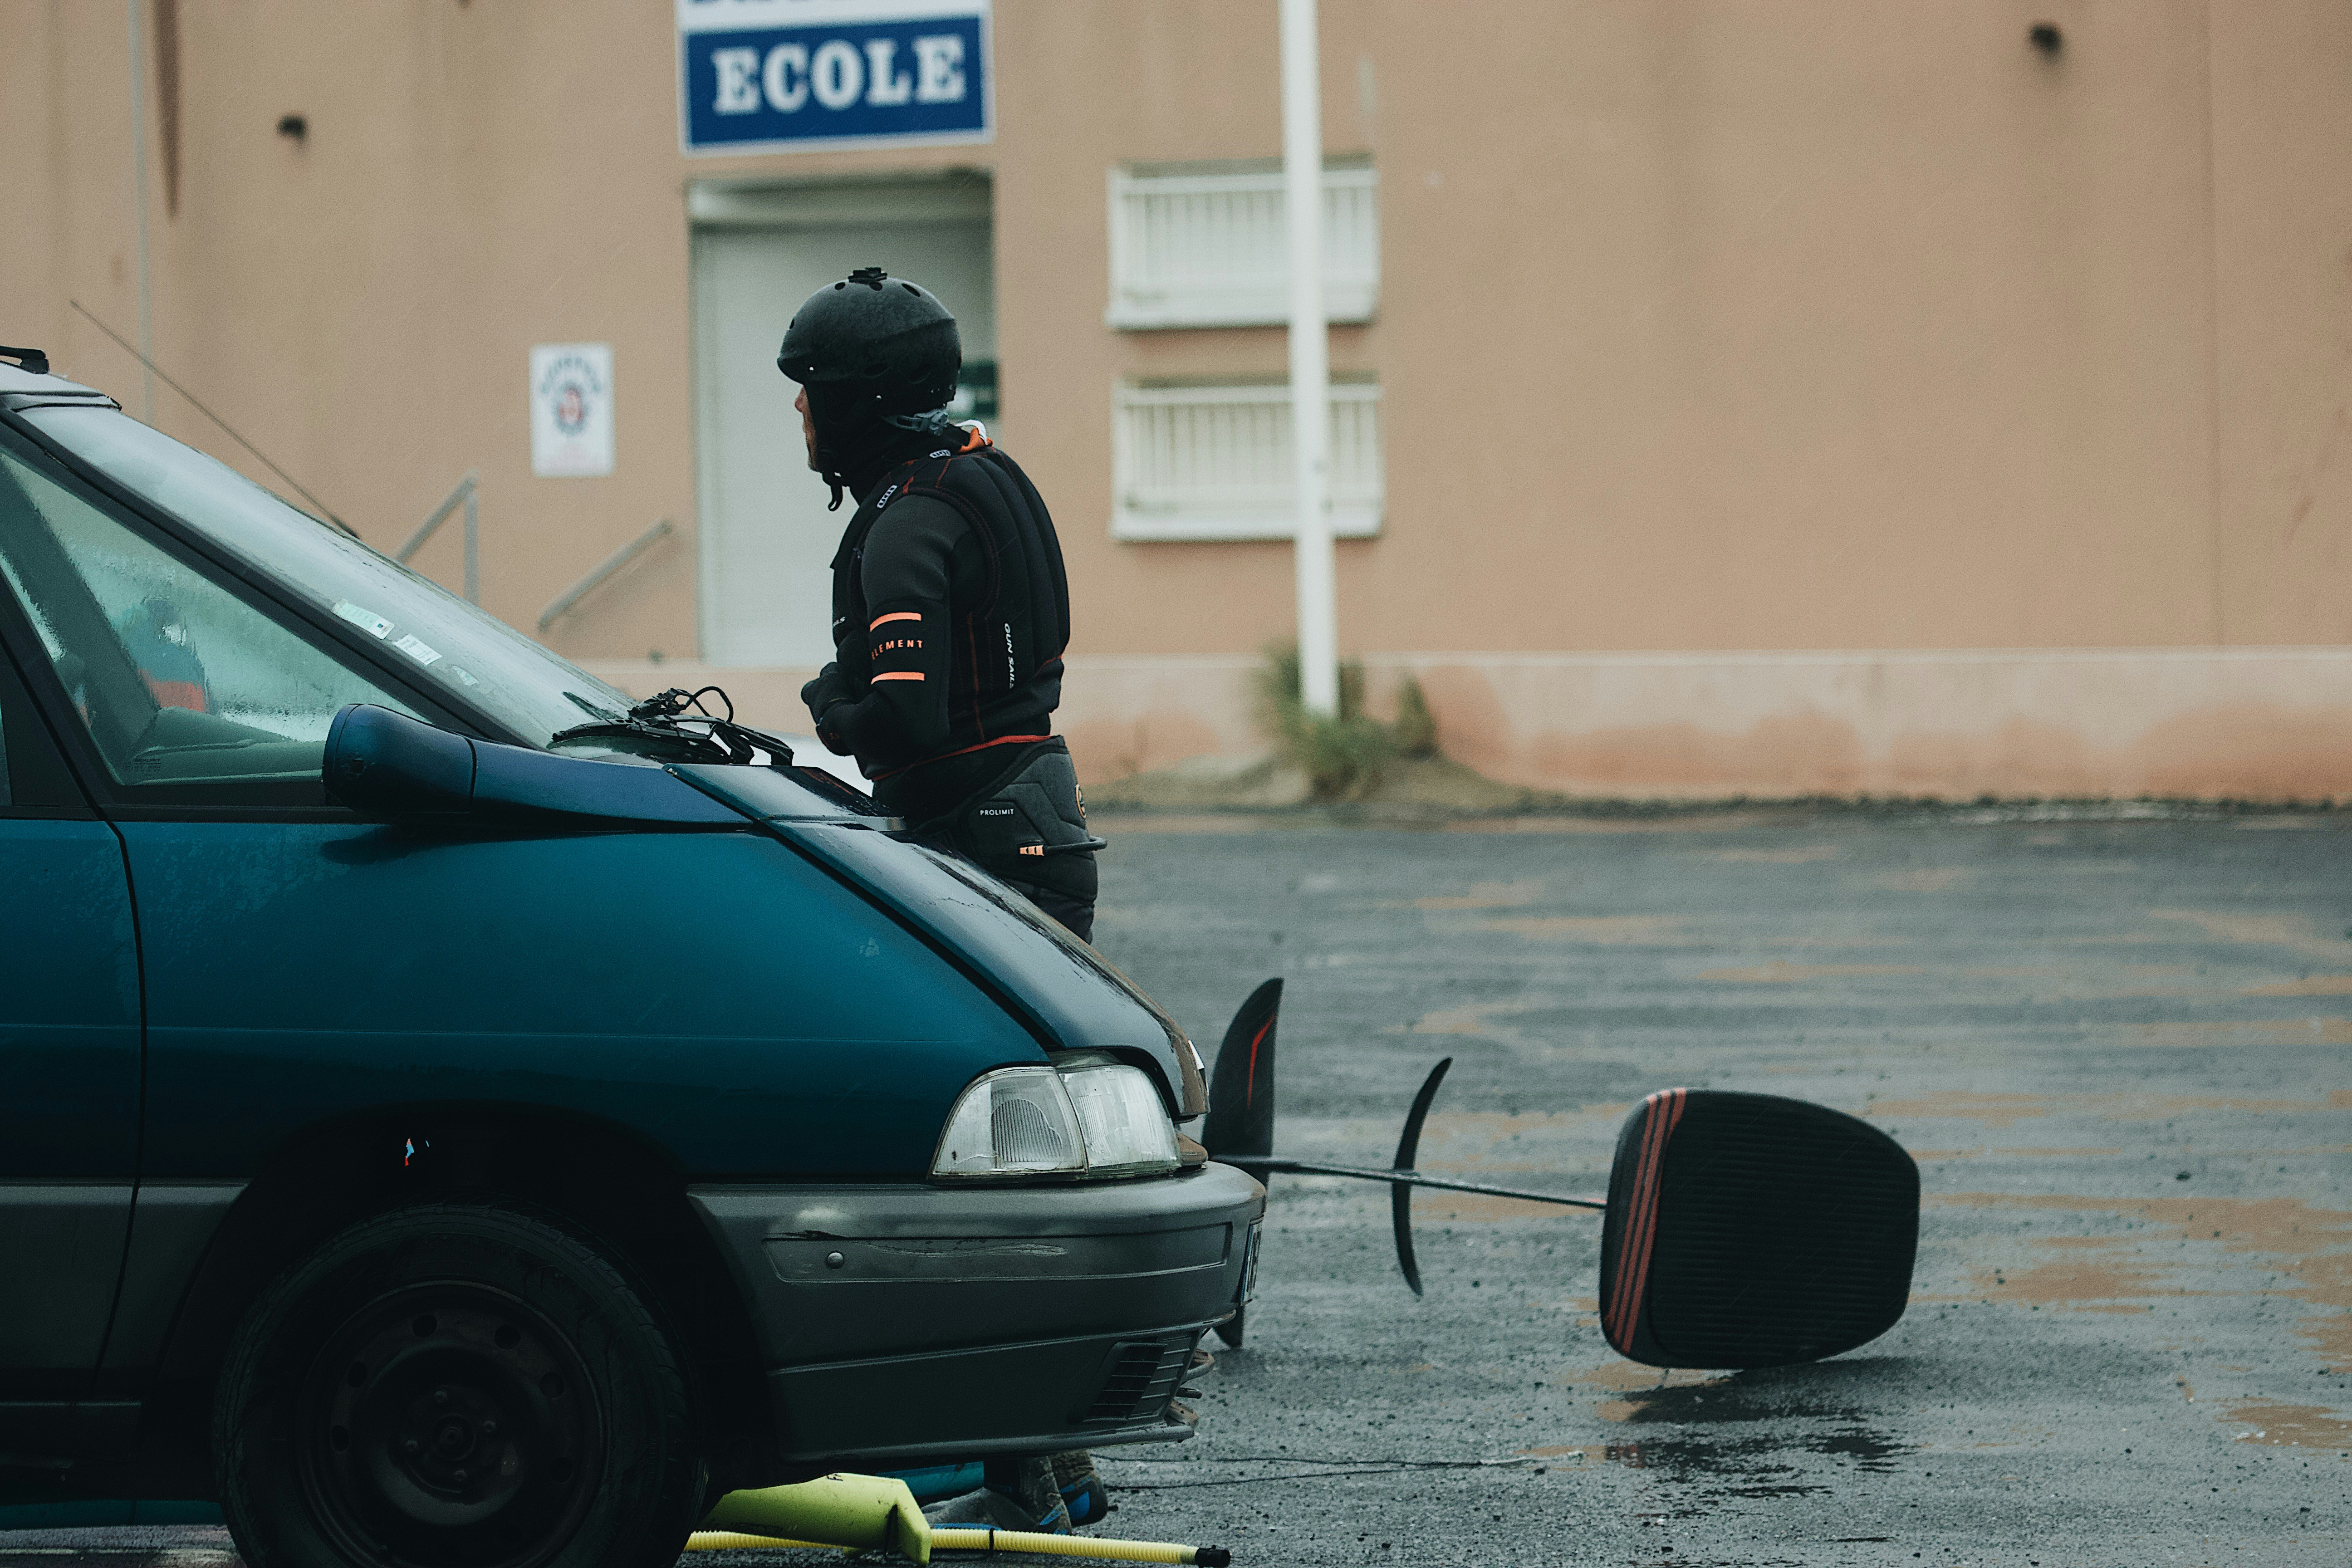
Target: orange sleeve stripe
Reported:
[(897, 674), (896, 616)]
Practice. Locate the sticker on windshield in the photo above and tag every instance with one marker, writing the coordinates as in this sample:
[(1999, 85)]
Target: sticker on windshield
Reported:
[(460, 673), (416, 650), (368, 621)]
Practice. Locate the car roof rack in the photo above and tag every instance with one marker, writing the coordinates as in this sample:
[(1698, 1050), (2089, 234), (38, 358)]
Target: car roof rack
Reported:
[(33, 361)]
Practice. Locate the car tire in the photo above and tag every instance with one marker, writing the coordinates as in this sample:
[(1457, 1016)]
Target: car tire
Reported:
[(456, 1387)]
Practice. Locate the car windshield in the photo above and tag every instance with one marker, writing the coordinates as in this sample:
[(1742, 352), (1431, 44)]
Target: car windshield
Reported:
[(477, 658)]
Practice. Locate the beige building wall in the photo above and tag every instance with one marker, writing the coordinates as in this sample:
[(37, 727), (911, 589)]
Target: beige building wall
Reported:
[(1819, 396)]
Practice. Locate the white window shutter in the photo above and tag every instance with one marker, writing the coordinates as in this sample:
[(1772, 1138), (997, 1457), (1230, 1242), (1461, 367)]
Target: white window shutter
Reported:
[(1214, 462), (1206, 250)]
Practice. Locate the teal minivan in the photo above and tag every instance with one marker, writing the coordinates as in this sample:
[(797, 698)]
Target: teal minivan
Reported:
[(453, 1120)]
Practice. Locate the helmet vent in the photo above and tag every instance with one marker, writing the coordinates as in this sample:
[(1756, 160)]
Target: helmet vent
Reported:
[(910, 288)]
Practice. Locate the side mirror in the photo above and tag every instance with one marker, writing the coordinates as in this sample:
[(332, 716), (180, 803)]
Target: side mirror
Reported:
[(1746, 1230), (385, 764)]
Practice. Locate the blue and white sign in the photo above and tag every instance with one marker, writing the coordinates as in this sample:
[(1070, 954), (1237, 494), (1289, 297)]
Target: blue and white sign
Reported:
[(777, 75)]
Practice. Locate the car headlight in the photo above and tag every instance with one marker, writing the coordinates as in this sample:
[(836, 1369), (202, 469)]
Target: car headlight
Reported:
[(1125, 1128), (1087, 1116)]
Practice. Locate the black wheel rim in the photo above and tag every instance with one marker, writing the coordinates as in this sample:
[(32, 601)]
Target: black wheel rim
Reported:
[(449, 1425)]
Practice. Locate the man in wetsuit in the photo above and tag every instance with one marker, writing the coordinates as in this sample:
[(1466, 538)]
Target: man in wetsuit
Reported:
[(950, 606), (950, 615)]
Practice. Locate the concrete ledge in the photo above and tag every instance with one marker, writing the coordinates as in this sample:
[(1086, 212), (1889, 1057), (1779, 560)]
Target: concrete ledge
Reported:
[(2246, 723)]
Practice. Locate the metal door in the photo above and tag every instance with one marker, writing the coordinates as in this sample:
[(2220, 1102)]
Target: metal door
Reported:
[(766, 535)]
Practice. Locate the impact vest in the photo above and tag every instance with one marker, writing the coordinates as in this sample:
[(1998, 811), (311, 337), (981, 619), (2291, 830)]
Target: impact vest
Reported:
[(1007, 634)]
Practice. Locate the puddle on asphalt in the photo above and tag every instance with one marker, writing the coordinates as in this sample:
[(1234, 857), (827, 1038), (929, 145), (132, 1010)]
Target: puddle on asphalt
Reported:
[(2297, 934), (1690, 1399), (2309, 986), (1735, 1461), (1742, 1466), (1746, 1465), (2297, 1426), (2092, 1276), (2306, 1249)]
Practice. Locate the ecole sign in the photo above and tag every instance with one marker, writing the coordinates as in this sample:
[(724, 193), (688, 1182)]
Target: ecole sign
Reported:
[(775, 75)]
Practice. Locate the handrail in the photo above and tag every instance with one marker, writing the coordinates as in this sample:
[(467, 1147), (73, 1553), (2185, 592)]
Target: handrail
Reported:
[(563, 603), (465, 491)]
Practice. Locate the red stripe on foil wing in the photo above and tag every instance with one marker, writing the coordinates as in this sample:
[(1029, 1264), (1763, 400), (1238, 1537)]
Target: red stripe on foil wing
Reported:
[(1641, 1292), (1630, 1251), (1641, 1229), (1637, 1201)]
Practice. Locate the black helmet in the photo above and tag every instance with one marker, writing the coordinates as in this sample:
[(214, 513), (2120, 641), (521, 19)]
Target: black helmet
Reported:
[(874, 342)]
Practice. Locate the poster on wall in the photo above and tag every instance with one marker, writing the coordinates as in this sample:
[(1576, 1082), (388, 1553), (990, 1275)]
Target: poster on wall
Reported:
[(777, 75), (571, 410)]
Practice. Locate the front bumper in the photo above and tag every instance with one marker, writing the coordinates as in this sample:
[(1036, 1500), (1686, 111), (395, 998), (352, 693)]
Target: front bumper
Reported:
[(967, 1321)]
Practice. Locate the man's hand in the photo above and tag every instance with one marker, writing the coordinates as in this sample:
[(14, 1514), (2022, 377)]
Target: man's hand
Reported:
[(822, 692), (823, 695)]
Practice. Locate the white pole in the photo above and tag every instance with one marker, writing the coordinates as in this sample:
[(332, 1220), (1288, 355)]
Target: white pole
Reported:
[(1310, 357), (139, 202)]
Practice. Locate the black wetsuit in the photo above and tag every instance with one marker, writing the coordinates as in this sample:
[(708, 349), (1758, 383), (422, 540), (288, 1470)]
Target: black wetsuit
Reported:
[(951, 612)]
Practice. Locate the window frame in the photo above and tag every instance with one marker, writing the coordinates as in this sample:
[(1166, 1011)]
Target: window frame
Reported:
[(1209, 524), (37, 718), (232, 800), (1139, 301)]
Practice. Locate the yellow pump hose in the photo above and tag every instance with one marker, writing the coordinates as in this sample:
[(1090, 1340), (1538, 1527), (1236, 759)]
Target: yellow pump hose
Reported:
[(946, 1538), (868, 1513)]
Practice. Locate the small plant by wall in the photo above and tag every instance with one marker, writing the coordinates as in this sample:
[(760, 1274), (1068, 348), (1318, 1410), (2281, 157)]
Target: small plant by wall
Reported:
[(1344, 757), (1415, 730)]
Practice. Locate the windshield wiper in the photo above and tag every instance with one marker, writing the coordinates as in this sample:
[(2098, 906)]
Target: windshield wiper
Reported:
[(703, 735)]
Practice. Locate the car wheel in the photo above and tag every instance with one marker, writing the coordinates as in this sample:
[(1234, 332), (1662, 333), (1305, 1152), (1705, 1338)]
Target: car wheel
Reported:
[(456, 1387)]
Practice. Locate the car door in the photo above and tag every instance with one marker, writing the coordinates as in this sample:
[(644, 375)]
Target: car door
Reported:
[(69, 1061), (187, 708)]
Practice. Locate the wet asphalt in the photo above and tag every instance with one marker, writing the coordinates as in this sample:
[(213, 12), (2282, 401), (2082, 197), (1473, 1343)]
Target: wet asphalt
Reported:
[(2121, 1052)]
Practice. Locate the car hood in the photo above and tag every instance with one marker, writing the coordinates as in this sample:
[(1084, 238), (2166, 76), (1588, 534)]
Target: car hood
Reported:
[(1066, 992)]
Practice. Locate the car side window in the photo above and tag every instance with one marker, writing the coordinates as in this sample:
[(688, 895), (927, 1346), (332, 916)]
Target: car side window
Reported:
[(178, 680)]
